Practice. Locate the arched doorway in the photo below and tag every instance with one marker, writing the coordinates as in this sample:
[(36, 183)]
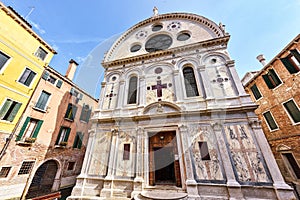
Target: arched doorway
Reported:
[(43, 179)]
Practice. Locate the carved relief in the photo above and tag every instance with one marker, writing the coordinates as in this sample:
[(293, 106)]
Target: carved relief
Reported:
[(247, 160), (125, 167), (209, 169), (100, 153)]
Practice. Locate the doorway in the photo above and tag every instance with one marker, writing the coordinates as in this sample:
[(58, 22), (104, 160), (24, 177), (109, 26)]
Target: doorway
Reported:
[(163, 159)]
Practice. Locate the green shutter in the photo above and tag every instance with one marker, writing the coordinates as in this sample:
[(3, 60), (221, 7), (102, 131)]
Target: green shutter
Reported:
[(45, 75), (80, 96), (68, 111), (82, 112), (59, 83), (23, 129), (274, 76), (59, 134), (268, 82), (296, 54), (289, 66), (74, 110), (80, 140), (88, 115), (67, 135), (14, 112), (5, 108), (37, 129)]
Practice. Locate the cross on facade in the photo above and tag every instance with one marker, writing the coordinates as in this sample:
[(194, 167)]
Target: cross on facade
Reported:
[(159, 88)]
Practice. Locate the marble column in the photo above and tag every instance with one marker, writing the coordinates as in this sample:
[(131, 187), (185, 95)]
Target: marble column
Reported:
[(283, 191), (102, 94), (206, 83), (236, 80), (178, 86), (121, 94), (113, 152), (234, 188), (142, 91), (191, 184), (88, 153), (138, 181)]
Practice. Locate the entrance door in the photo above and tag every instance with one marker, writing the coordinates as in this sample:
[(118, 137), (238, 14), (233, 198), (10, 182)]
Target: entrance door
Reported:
[(164, 169)]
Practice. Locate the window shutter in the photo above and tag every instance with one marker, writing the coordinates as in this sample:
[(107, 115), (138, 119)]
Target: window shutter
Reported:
[(59, 83), (23, 129), (296, 54), (80, 140), (293, 110), (72, 91), (37, 129), (80, 96), (82, 112), (267, 81), (255, 92), (5, 108), (14, 112), (67, 135), (74, 110), (286, 62), (45, 75), (270, 120), (88, 115), (30, 78), (274, 76), (68, 110), (58, 137)]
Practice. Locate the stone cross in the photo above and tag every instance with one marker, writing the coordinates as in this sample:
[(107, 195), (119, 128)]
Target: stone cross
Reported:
[(159, 88)]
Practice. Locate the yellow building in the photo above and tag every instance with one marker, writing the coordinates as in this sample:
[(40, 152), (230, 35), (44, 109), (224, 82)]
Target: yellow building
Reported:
[(23, 57)]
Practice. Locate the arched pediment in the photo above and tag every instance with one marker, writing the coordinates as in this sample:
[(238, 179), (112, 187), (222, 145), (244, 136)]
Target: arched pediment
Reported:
[(161, 107), (179, 29), (283, 147)]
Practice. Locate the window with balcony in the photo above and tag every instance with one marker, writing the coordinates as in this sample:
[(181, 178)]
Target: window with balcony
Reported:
[(29, 130)]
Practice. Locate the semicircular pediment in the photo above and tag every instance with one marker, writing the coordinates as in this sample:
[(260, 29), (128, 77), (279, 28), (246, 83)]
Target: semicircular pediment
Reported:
[(161, 107), (162, 32)]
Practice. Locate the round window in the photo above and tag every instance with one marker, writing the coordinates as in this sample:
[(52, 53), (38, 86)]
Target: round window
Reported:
[(135, 48), (158, 42), (157, 27), (183, 36)]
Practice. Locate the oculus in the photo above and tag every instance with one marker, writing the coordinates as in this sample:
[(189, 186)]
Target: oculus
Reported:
[(183, 36), (158, 42), (135, 48), (157, 27)]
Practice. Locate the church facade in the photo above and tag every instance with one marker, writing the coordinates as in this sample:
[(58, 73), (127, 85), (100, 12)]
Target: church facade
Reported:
[(174, 121)]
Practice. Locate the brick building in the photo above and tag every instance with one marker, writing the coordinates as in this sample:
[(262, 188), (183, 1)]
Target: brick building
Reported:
[(276, 91), (46, 151)]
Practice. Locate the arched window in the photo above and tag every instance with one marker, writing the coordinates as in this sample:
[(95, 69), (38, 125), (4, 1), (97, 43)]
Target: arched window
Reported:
[(190, 82), (132, 90)]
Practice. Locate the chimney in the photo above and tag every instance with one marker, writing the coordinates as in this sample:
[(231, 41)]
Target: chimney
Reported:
[(261, 59), (71, 69)]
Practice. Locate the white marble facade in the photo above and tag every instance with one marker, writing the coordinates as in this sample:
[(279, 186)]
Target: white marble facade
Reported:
[(167, 124)]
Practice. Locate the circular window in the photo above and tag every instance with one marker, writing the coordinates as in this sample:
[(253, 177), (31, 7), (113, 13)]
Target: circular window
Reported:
[(135, 48), (158, 70), (158, 42), (157, 27), (183, 36)]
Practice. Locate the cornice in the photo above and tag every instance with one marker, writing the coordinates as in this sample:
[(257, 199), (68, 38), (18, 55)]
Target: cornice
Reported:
[(203, 44)]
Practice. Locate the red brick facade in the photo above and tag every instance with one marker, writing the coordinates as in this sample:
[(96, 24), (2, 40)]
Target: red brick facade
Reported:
[(286, 137)]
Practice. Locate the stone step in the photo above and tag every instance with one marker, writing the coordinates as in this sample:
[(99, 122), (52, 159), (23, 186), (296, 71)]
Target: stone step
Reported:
[(161, 195)]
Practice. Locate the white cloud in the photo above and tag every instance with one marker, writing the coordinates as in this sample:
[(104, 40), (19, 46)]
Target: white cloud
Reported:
[(37, 27), (79, 59)]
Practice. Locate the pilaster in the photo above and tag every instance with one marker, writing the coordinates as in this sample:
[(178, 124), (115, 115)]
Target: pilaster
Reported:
[(234, 188), (208, 94), (283, 191), (191, 184)]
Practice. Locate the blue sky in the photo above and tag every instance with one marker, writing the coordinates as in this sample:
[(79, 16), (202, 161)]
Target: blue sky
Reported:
[(84, 29)]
